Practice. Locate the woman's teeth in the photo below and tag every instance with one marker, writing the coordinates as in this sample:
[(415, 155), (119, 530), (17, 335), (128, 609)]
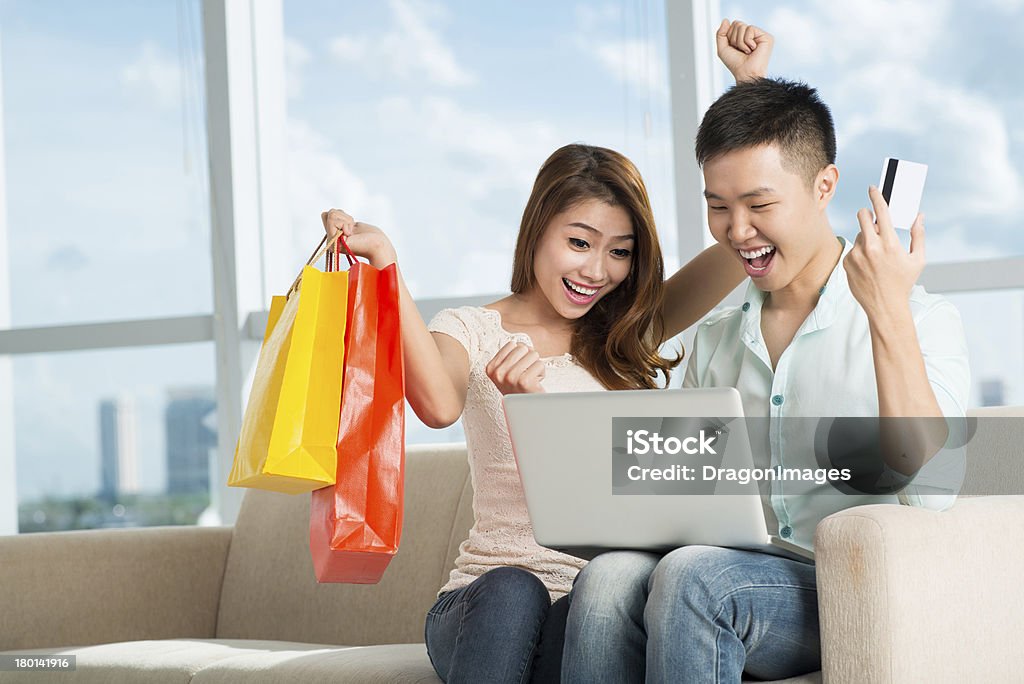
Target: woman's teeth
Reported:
[(585, 291), (757, 252)]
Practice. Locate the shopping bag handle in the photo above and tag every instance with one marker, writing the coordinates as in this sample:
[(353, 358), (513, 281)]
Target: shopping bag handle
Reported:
[(319, 252), (332, 264)]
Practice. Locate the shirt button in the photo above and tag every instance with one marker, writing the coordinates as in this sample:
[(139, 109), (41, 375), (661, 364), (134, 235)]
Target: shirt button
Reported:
[(777, 400), (746, 306), (786, 532)]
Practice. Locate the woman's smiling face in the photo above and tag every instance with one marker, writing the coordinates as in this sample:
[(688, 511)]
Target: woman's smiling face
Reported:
[(584, 253)]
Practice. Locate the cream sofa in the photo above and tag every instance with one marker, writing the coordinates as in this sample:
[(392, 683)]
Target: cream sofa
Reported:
[(905, 595)]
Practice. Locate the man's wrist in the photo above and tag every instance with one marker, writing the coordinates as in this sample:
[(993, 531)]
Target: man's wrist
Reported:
[(889, 320)]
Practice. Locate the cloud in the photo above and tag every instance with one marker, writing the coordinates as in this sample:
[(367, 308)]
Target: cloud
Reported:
[(49, 422), (905, 30), (155, 75), (296, 56), (1006, 6), (412, 49), (956, 244), (67, 258), (953, 124), (348, 49), (590, 17), (318, 179), (636, 62), (496, 153), (633, 62)]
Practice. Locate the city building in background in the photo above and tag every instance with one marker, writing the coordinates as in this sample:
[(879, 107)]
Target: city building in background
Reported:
[(190, 438), (993, 392), (119, 457)]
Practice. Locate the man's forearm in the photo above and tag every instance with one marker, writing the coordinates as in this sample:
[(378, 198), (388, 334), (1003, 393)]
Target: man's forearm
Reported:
[(912, 425), (903, 387)]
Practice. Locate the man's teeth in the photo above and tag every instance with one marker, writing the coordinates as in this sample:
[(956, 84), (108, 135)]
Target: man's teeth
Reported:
[(586, 292), (757, 252)]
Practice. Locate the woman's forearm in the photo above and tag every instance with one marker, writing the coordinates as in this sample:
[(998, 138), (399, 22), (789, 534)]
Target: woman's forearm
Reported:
[(435, 383), (698, 287)]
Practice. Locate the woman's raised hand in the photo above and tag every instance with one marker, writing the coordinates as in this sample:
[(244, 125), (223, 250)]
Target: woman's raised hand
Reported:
[(363, 239), (516, 369)]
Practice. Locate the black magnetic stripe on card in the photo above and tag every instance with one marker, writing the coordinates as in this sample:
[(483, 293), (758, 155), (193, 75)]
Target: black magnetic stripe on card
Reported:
[(890, 178)]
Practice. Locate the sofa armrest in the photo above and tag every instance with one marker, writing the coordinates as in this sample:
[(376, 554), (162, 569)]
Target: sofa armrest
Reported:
[(911, 595), (100, 586)]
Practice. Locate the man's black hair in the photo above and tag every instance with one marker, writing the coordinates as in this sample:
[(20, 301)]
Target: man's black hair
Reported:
[(768, 111)]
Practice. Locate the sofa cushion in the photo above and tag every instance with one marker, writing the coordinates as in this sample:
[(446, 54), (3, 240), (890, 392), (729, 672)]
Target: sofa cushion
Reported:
[(209, 661), (270, 591), (243, 661), (166, 661), (102, 586), (383, 664), (460, 530), (991, 466)]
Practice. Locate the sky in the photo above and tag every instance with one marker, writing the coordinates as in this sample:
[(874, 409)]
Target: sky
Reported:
[(430, 119)]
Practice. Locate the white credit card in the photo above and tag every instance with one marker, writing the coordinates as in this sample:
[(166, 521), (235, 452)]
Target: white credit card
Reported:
[(902, 184)]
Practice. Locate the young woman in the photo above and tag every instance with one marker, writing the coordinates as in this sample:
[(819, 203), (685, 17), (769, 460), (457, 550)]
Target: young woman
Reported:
[(588, 311)]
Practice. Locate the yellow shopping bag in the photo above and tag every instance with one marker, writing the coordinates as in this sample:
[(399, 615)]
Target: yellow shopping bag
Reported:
[(290, 430)]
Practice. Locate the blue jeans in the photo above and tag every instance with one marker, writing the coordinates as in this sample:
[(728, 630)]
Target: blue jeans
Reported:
[(699, 614), (501, 628)]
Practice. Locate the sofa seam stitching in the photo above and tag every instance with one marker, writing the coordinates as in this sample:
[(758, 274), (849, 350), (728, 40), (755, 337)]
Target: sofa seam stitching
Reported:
[(223, 575)]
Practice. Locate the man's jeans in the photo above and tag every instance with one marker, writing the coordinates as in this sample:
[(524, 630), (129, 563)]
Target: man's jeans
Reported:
[(501, 628), (699, 614)]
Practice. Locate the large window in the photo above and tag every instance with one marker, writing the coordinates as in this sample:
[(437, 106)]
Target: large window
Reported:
[(105, 160), (130, 308), (108, 223)]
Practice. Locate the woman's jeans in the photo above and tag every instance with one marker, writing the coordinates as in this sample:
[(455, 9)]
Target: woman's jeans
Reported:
[(501, 628), (700, 614)]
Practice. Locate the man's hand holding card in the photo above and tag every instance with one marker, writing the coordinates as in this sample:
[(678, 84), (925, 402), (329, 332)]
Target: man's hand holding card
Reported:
[(880, 271)]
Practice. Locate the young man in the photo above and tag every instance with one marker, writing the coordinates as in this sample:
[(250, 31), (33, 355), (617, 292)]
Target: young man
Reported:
[(827, 328)]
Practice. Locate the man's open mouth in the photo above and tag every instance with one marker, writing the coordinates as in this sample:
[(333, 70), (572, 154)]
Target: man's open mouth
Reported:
[(759, 258)]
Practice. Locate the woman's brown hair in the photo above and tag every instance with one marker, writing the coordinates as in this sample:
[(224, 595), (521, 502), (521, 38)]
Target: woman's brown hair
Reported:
[(617, 340)]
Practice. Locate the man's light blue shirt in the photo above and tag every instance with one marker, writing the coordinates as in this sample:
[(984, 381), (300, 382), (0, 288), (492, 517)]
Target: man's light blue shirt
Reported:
[(828, 371)]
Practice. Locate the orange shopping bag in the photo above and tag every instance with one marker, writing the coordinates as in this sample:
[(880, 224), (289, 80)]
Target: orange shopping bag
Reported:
[(355, 525)]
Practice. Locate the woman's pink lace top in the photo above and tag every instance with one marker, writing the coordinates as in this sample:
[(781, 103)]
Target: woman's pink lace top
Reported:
[(501, 534)]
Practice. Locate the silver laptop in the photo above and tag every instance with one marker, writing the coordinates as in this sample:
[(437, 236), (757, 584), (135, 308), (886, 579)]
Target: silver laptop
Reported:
[(624, 470)]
